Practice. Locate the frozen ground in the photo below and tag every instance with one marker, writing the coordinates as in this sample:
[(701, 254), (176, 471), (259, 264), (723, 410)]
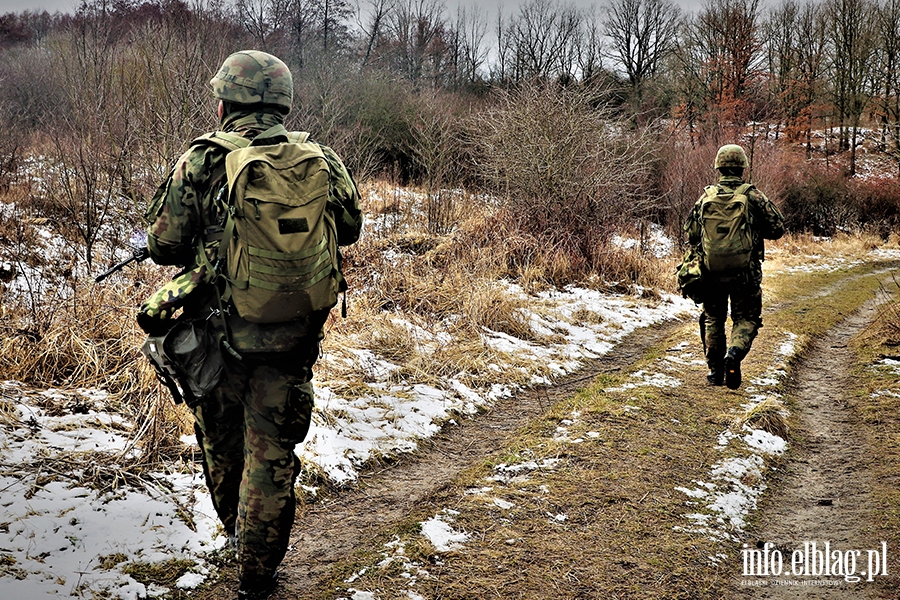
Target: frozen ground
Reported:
[(66, 531)]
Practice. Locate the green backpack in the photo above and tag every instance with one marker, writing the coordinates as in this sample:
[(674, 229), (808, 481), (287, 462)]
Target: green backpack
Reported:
[(727, 241), (279, 244)]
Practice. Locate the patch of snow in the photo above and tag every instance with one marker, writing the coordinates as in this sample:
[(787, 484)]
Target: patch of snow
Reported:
[(657, 242), (502, 504), (441, 534), (645, 379), (765, 442)]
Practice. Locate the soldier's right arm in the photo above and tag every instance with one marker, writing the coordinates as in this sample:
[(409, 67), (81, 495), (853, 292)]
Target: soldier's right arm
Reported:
[(692, 226), (172, 215)]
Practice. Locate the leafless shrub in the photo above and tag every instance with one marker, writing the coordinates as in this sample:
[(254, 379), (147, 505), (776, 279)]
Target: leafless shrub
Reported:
[(566, 169), (561, 158)]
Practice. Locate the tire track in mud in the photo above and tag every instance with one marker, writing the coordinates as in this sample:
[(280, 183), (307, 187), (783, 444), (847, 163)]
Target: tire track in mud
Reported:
[(327, 532), (824, 493)]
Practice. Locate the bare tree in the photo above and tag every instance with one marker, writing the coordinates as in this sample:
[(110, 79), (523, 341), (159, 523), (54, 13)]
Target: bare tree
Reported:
[(471, 27), (260, 18), (373, 27), (589, 47), (811, 62), (781, 42), (543, 35), (641, 33), (888, 82), (503, 35), (732, 32), (417, 38), (852, 36)]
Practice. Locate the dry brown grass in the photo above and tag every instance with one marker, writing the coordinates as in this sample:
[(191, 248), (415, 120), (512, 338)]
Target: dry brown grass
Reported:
[(92, 341), (424, 301), (798, 248), (770, 415), (885, 330)]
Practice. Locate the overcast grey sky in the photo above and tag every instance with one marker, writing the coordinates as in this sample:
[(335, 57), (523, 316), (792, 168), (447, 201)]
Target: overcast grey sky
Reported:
[(38, 5), (509, 6)]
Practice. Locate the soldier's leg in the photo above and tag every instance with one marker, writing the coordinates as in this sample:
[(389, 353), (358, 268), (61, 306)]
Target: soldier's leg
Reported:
[(219, 425), (715, 312), (278, 410), (746, 317)]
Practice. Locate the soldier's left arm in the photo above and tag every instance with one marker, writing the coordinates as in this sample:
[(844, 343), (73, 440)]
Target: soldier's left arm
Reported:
[(343, 200), (768, 219)]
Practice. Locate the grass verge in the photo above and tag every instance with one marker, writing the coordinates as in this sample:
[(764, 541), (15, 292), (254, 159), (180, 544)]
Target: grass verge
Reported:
[(583, 503), (875, 402)]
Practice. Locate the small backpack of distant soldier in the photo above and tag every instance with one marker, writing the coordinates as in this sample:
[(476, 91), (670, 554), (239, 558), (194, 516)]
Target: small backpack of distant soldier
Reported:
[(727, 240), (279, 243)]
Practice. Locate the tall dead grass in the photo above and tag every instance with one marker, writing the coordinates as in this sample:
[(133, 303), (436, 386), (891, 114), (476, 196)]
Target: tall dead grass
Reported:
[(92, 341)]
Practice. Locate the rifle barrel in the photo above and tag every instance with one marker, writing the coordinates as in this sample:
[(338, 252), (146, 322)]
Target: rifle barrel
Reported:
[(138, 255)]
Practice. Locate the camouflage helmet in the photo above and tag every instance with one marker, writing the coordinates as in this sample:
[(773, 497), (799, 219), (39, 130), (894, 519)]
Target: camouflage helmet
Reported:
[(254, 77), (731, 155)]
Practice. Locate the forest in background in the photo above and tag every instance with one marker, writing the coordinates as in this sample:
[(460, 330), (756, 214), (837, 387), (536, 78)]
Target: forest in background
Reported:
[(622, 105), (532, 138)]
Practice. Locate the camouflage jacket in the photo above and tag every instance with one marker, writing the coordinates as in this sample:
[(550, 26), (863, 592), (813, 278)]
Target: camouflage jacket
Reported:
[(766, 222), (184, 210)]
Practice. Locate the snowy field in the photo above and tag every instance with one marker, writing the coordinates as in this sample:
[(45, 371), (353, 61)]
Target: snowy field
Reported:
[(65, 534), (75, 518)]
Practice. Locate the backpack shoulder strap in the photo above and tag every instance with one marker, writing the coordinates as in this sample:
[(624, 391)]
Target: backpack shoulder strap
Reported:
[(228, 141), (743, 189)]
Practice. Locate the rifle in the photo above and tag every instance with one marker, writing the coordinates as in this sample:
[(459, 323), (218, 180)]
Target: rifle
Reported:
[(137, 255)]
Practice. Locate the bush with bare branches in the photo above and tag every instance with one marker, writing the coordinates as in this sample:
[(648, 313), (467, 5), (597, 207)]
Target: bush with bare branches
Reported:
[(566, 168)]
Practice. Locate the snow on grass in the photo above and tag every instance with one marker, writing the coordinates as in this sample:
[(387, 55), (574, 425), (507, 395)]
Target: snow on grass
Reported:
[(506, 473), (885, 253), (56, 526), (647, 379), (737, 481), (346, 433), (892, 364), (819, 264), (656, 241), (439, 532), (394, 556)]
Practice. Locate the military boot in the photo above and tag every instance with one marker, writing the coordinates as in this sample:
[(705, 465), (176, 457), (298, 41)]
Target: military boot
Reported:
[(733, 368), (257, 587), (716, 364)]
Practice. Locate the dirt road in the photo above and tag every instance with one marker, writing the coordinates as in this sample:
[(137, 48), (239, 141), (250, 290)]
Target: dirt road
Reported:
[(332, 530), (824, 495)]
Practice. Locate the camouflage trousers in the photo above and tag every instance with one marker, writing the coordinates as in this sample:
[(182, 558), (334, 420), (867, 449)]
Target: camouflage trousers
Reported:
[(746, 318), (247, 430)]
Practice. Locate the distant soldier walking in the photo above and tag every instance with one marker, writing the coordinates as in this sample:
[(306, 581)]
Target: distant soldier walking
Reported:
[(726, 228), (255, 214)]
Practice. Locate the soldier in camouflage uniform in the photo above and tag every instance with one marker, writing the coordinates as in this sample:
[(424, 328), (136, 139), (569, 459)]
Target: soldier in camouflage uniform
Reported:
[(249, 425), (742, 288)]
